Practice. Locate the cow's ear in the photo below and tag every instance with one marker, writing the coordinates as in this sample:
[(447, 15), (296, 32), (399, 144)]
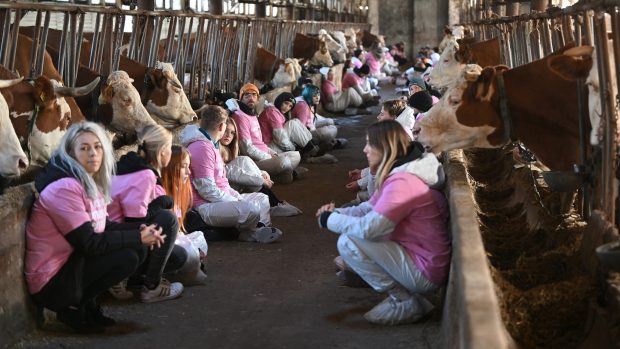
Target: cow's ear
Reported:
[(44, 90), (158, 79), (570, 67), (463, 54), (107, 93), (484, 85)]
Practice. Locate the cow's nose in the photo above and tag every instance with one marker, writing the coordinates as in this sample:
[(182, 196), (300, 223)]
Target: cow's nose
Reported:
[(22, 163), (194, 118)]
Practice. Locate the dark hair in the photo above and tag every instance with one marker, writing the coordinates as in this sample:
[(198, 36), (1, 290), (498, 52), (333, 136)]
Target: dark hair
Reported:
[(364, 69), (421, 100), (357, 52), (284, 97), (212, 116)]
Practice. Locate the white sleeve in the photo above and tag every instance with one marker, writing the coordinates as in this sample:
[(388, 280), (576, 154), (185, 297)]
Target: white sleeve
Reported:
[(209, 191), (357, 210), (371, 226), (248, 148), (282, 140)]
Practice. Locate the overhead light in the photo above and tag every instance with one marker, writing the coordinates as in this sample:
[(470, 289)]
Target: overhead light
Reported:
[(361, 7), (366, 8)]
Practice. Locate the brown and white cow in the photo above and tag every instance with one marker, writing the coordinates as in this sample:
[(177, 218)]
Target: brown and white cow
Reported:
[(336, 50), (458, 53), (164, 97), (39, 113), (130, 116), (543, 112), (13, 160)]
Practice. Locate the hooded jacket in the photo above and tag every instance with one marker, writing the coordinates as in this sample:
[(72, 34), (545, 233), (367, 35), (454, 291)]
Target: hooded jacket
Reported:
[(64, 220), (134, 187), (208, 173), (249, 133), (271, 122), (405, 209), (407, 119)]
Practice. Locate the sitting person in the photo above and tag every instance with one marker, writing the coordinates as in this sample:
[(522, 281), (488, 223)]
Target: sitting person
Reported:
[(335, 100), (356, 79), (398, 241), (245, 176), (283, 133), (280, 166), (218, 204), (137, 196), (398, 110), (323, 129), (73, 254)]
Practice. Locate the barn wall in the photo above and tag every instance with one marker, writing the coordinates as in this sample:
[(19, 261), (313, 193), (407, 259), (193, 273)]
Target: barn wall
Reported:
[(418, 23), (16, 314)]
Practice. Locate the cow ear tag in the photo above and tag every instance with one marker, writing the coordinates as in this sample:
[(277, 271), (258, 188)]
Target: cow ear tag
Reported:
[(42, 97)]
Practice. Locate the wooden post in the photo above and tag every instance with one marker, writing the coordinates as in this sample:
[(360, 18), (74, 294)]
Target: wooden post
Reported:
[(261, 9), (216, 7)]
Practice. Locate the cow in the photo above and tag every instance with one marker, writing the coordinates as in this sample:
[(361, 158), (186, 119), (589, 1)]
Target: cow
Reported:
[(39, 113), (287, 74), (543, 115), (13, 160), (130, 115), (458, 53), (305, 46), (336, 50), (351, 42), (265, 64)]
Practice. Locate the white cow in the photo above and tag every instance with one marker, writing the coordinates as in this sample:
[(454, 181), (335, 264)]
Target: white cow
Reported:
[(13, 160), (177, 110), (338, 52)]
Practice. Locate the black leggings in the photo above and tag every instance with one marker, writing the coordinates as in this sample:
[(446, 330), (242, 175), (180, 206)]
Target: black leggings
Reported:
[(82, 279), (158, 258), (273, 199)]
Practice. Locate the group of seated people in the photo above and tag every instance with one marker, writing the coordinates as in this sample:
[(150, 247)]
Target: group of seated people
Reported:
[(99, 226)]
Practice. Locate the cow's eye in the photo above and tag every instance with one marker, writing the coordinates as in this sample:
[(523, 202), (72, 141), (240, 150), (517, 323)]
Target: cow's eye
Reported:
[(176, 89), (454, 101)]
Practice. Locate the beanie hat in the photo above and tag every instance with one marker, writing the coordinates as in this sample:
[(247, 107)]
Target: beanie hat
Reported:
[(418, 81), (421, 100), (283, 97), (248, 88)]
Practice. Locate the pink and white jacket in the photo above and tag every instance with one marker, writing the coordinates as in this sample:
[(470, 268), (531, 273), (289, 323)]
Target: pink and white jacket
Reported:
[(132, 193), (302, 112), (271, 122), (250, 138), (208, 173), (405, 210)]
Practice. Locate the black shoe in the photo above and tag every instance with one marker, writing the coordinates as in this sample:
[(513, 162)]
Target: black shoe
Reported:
[(94, 316), (76, 320)]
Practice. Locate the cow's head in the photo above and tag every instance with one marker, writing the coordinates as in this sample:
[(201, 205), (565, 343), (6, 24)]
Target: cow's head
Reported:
[(130, 115), (447, 70), (13, 160), (578, 63), (466, 115), (164, 96)]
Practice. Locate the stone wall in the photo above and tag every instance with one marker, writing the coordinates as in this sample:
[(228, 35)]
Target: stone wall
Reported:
[(16, 314)]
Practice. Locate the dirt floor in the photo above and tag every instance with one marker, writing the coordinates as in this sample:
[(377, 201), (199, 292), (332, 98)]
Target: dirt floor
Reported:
[(283, 295)]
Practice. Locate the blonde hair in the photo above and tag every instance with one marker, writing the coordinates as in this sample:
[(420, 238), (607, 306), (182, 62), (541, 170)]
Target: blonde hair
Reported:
[(389, 138), (231, 151), (101, 180), (150, 143), (394, 107)]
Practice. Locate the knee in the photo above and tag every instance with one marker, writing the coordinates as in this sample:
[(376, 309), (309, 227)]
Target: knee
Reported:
[(168, 221), (346, 247)]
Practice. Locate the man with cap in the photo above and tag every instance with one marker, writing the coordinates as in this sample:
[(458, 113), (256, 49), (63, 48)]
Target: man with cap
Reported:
[(279, 166)]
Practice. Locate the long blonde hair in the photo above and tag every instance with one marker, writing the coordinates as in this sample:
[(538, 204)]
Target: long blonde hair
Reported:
[(231, 151), (100, 181), (150, 143), (389, 138)]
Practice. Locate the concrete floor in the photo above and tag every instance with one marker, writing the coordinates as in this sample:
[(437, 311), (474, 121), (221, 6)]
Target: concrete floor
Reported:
[(283, 295)]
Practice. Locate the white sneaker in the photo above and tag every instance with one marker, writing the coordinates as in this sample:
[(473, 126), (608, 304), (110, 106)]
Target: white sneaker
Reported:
[(323, 159), (393, 311), (284, 209), (267, 235), (163, 292), (120, 292)]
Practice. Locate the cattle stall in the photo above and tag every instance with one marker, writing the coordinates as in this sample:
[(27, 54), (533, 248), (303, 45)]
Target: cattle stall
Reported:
[(551, 288), (208, 52)]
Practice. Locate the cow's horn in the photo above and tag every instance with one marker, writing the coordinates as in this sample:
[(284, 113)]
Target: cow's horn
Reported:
[(9, 83), (579, 51), (175, 84), (77, 91)]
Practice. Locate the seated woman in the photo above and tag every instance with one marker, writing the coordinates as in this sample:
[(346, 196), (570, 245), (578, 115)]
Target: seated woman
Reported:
[(356, 79), (137, 196), (398, 241), (281, 132), (73, 253), (335, 100), (398, 110), (245, 176), (323, 129)]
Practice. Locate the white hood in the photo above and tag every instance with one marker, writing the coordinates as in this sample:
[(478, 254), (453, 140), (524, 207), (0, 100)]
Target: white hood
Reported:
[(427, 168), (191, 134)]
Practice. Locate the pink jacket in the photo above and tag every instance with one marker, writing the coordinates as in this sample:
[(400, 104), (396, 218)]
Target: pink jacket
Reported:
[(248, 128), (351, 79), (328, 90), (270, 119), (373, 63), (304, 114), (62, 207), (132, 193)]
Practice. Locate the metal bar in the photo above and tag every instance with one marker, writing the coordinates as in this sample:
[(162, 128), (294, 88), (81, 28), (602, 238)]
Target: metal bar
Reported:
[(94, 41), (4, 39), (62, 53), (35, 43), (43, 43), (78, 38), (132, 38), (170, 39)]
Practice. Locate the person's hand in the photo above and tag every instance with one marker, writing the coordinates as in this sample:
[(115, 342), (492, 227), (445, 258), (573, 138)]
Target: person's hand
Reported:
[(274, 155), (326, 208), (267, 182), (151, 236), (353, 186), (355, 174)]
